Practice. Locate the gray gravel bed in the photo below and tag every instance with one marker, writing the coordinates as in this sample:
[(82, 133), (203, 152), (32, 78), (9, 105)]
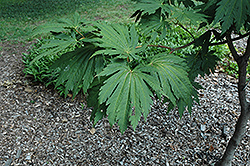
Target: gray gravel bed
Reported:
[(38, 127)]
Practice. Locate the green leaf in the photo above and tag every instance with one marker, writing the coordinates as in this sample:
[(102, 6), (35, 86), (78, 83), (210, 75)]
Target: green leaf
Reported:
[(47, 28), (75, 22), (118, 40), (55, 45), (154, 22), (150, 6), (187, 3), (201, 63), (158, 14), (190, 15), (61, 25), (204, 41), (77, 70), (126, 93), (172, 73), (99, 110), (231, 12)]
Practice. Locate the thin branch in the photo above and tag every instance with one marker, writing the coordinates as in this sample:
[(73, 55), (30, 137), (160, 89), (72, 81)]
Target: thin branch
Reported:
[(211, 44), (173, 49), (232, 48), (160, 46), (234, 39), (186, 30), (181, 47)]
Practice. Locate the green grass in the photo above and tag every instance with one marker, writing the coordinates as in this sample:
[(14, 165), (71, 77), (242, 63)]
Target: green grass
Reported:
[(19, 17)]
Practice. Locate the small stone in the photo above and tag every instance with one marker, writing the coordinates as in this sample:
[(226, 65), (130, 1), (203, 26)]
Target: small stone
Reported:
[(203, 127), (28, 157), (29, 90), (92, 131), (64, 120)]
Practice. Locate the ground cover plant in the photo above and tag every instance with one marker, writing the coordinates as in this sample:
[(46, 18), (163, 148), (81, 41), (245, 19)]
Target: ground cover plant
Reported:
[(113, 62)]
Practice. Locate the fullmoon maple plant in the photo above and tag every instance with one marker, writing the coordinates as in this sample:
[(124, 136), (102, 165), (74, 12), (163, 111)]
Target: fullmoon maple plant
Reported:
[(112, 63)]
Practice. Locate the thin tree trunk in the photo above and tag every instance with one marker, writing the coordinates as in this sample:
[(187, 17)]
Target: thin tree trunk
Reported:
[(239, 133), (241, 124)]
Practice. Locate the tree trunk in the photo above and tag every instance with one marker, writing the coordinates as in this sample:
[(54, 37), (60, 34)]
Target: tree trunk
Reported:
[(241, 124), (239, 133)]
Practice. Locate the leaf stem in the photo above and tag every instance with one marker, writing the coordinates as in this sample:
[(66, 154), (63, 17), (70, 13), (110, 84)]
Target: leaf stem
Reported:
[(83, 37)]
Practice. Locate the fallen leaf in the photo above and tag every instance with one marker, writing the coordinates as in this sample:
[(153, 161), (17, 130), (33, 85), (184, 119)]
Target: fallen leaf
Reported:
[(211, 148), (92, 131), (235, 113)]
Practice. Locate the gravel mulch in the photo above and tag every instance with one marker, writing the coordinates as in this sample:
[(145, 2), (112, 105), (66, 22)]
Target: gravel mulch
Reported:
[(38, 127)]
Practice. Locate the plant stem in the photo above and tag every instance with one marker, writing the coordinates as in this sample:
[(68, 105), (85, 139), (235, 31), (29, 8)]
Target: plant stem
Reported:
[(173, 49), (83, 37)]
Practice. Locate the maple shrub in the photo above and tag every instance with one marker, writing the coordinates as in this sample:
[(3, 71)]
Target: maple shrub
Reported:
[(120, 67)]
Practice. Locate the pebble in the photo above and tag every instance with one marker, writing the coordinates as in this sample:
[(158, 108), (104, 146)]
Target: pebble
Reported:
[(19, 152), (203, 127), (28, 157)]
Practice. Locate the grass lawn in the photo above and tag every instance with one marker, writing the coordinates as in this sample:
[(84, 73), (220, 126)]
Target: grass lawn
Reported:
[(19, 17)]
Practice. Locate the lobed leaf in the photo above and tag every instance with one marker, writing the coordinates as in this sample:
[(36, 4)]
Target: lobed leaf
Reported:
[(118, 40), (230, 12), (99, 110), (77, 69), (172, 74), (61, 25), (126, 93), (55, 45)]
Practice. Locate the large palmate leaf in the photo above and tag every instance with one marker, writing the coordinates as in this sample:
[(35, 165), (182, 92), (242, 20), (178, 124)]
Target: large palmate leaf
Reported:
[(152, 13), (230, 12), (188, 15), (150, 6), (157, 14), (127, 94), (118, 40), (173, 77), (77, 69), (154, 22)]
